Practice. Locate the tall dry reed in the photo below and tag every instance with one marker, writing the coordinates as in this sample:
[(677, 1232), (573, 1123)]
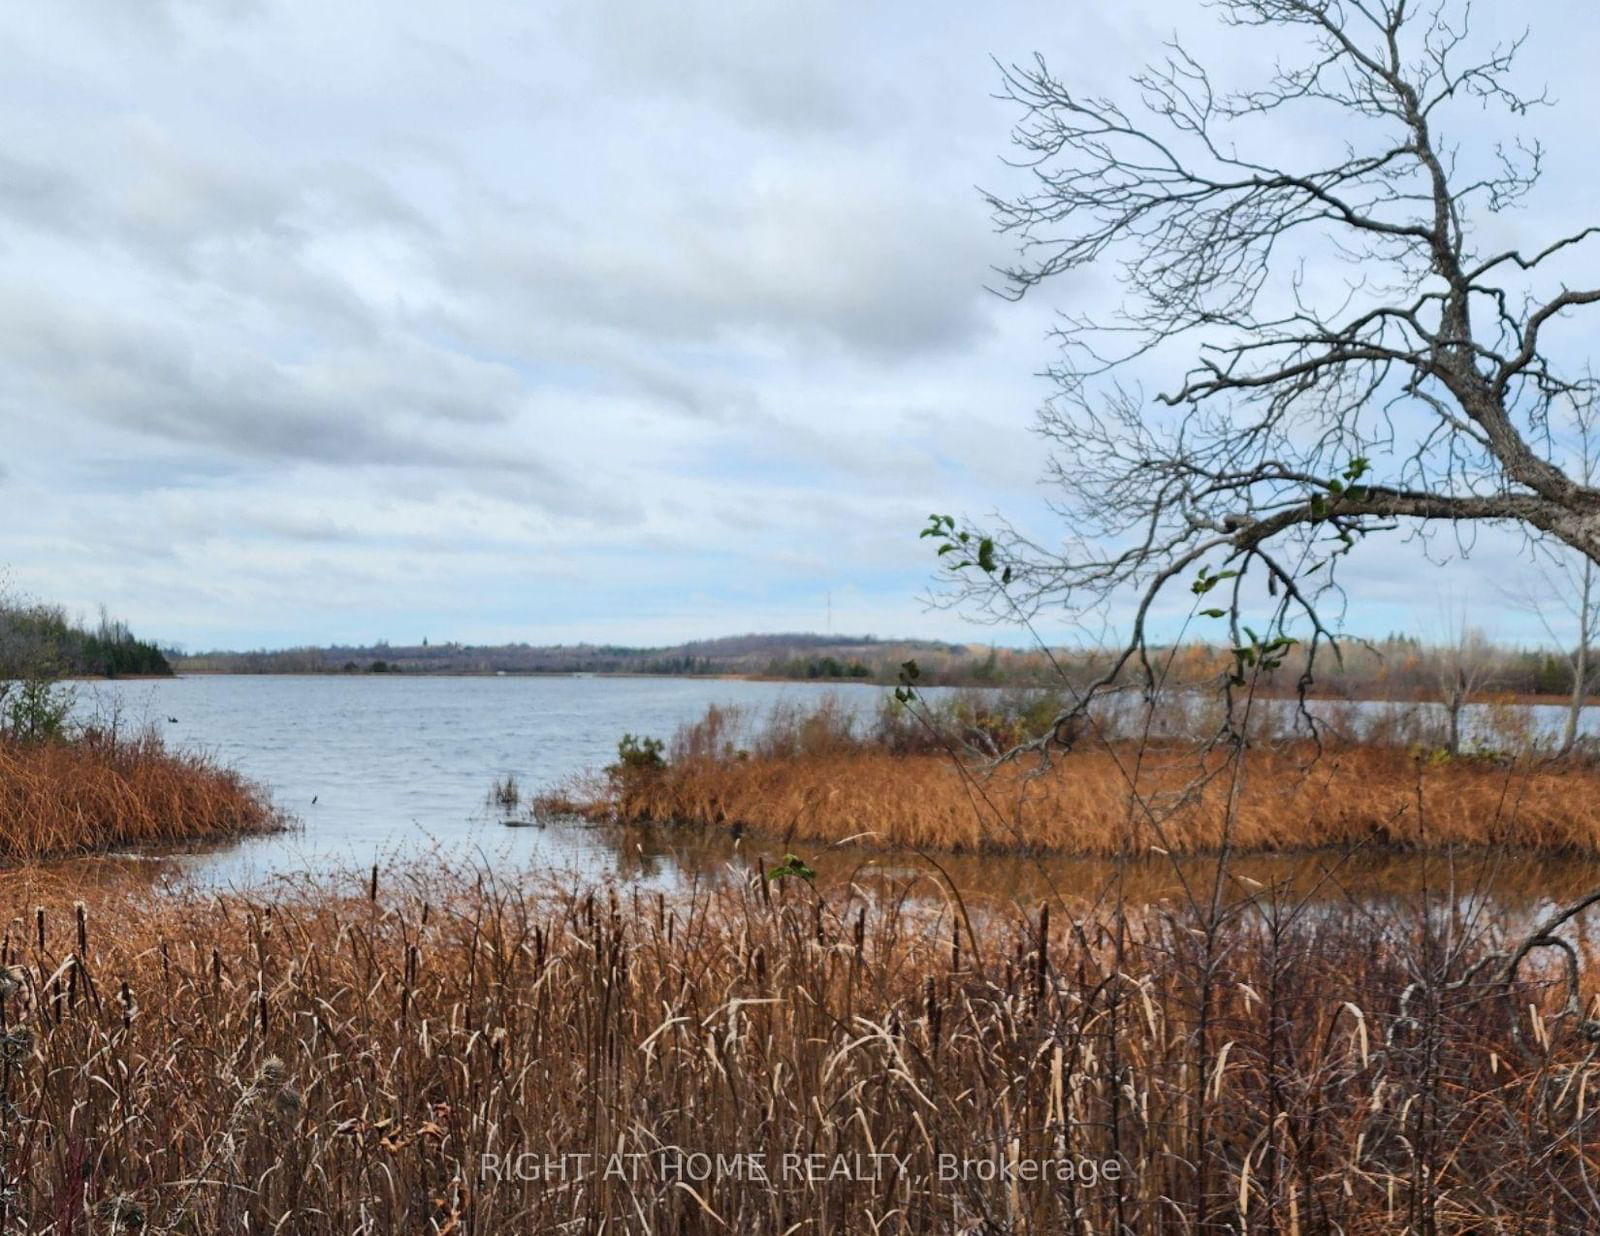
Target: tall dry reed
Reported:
[(103, 789), (377, 1060), (1286, 797)]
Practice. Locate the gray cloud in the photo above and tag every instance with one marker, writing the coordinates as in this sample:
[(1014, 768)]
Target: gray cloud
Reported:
[(770, 65), (356, 409), (841, 253), (37, 195)]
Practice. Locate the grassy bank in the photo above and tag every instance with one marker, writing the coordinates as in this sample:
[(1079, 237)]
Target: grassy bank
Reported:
[(100, 789), (825, 776), (378, 1060)]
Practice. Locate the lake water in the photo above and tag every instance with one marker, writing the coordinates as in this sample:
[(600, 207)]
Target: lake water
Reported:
[(381, 768), (390, 769)]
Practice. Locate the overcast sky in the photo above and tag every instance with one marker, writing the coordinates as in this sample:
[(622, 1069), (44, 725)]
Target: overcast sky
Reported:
[(619, 320)]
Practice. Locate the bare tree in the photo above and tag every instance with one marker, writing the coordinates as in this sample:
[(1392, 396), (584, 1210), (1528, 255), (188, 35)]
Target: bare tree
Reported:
[(1464, 665), (1408, 391)]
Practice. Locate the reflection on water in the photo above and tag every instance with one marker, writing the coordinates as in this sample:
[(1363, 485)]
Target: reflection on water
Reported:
[(1396, 880), (395, 770)]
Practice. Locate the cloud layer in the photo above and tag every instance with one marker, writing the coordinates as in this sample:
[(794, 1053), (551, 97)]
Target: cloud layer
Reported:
[(548, 322)]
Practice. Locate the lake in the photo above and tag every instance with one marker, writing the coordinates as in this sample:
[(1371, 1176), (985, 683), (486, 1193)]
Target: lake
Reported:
[(386, 767), (392, 769)]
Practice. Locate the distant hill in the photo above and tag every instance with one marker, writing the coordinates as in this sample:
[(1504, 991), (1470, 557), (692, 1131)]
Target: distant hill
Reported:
[(790, 656)]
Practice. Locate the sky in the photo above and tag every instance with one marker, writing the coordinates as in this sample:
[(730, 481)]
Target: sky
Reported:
[(346, 321)]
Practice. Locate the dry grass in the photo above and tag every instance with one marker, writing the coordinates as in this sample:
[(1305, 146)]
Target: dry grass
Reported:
[(319, 1063), (102, 790), (1285, 797)]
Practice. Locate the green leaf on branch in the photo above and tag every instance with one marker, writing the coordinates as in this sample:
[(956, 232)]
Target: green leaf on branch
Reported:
[(1205, 581), (792, 866)]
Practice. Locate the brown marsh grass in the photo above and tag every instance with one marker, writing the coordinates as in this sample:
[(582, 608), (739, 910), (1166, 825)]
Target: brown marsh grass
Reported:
[(325, 1061), (103, 789), (1281, 797)]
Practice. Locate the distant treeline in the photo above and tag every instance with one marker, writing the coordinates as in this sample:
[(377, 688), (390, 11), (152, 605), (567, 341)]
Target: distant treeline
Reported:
[(39, 640), (1397, 666), (813, 657)]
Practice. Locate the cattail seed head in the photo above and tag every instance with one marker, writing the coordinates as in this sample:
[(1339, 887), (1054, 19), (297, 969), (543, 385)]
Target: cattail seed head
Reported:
[(288, 1102), (121, 1213), (16, 1043)]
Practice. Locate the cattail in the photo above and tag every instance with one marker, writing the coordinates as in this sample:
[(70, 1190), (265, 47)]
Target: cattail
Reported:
[(288, 1102), (15, 1044), (1043, 959), (121, 1213), (271, 1092)]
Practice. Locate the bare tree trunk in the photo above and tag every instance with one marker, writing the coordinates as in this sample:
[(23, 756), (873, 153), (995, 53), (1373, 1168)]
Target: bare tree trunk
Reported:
[(1453, 702), (1580, 662)]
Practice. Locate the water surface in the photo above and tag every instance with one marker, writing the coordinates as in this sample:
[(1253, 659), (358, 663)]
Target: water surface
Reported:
[(391, 768), (396, 769)]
